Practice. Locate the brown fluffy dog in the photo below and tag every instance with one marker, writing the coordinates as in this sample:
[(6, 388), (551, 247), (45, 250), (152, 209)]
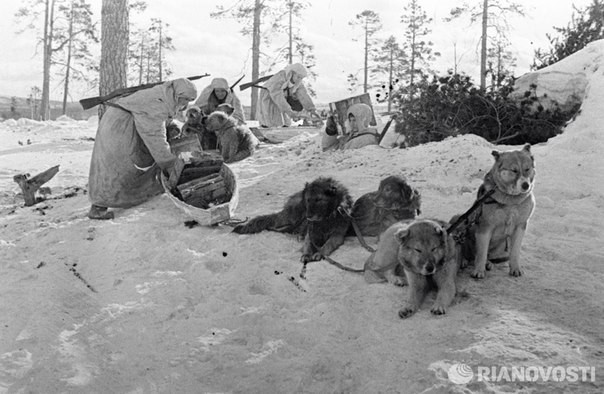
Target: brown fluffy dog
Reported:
[(498, 233), (315, 212), (236, 142), (194, 125), (393, 201), (430, 259), (172, 130), (226, 108)]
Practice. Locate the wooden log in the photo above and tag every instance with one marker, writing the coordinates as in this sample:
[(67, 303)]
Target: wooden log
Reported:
[(218, 194), (213, 197), (211, 191), (197, 180), (197, 201), (29, 186), (205, 161), (190, 174), (202, 189)]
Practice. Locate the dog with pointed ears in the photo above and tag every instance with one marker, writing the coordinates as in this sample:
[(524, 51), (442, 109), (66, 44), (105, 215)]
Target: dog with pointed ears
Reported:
[(498, 233)]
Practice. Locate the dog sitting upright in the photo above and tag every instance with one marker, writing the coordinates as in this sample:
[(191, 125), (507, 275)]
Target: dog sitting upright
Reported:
[(236, 142), (497, 235), (195, 125)]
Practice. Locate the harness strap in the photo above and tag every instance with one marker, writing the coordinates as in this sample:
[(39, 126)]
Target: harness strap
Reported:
[(362, 134), (342, 267), (329, 259), (357, 230), (333, 262), (114, 105), (477, 204)]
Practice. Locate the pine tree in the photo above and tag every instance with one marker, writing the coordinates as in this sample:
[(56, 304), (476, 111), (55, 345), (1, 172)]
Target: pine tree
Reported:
[(390, 61), (253, 15), (114, 47), (296, 49), (500, 60), (586, 25), (419, 52), (72, 38), (493, 14), (161, 41), (294, 10), (370, 22), (29, 14)]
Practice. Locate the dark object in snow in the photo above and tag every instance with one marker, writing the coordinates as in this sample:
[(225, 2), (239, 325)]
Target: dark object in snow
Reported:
[(29, 186)]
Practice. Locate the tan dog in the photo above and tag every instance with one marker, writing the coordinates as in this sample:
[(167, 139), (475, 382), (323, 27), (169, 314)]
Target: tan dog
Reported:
[(236, 142), (428, 256), (502, 223)]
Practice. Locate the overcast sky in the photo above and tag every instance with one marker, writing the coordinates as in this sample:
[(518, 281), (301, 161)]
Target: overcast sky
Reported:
[(215, 46)]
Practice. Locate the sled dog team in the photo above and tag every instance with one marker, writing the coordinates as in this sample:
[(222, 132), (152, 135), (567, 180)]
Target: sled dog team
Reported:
[(412, 251)]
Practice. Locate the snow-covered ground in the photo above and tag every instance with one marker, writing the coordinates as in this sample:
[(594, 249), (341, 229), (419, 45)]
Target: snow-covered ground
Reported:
[(143, 304)]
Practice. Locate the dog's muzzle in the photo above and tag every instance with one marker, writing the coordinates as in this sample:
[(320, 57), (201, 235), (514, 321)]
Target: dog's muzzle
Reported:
[(525, 185)]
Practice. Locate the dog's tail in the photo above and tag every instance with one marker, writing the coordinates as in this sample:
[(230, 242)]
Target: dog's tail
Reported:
[(258, 224)]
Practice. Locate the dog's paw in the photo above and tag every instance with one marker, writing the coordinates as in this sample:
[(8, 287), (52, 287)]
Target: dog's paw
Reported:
[(516, 272), (488, 265), (478, 274), (406, 312), (307, 258), (438, 310)]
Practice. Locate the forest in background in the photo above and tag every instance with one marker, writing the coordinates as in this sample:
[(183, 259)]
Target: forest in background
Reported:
[(396, 67)]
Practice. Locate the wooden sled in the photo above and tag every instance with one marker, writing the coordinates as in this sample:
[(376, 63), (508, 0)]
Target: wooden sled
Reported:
[(207, 191)]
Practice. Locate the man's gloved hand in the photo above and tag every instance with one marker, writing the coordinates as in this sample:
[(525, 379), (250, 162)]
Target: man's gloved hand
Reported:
[(291, 114), (173, 170)]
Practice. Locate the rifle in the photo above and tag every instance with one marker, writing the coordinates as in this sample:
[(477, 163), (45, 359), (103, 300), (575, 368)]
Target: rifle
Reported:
[(383, 133), (253, 83), (237, 82), (90, 102)]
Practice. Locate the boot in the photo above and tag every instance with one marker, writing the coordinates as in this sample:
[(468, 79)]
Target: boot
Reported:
[(99, 213)]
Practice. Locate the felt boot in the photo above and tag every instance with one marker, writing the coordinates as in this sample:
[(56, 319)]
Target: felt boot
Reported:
[(99, 213)]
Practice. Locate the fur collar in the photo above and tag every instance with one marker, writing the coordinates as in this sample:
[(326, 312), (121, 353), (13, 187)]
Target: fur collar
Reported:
[(500, 196)]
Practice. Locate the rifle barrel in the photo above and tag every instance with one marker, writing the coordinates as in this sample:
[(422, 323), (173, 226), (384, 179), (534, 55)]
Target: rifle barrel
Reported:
[(90, 102), (259, 80)]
